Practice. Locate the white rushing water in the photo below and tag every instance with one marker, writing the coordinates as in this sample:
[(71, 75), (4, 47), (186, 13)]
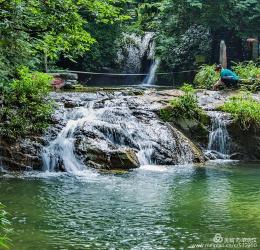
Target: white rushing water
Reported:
[(61, 150), (150, 78), (219, 140), (114, 126)]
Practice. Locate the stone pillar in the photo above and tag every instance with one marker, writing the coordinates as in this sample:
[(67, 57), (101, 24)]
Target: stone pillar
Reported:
[(223, 54), (255, 45)]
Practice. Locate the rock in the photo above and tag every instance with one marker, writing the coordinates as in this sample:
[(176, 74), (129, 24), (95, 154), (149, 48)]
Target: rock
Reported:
[(185, 143), (245, 144), (69, 84), (66, 76), (110, 157), (64, 80), (21, 155), (70, 104), (125, 159), (237, 156)]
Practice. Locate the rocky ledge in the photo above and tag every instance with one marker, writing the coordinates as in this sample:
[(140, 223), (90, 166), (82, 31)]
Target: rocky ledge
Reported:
[(121, 130)]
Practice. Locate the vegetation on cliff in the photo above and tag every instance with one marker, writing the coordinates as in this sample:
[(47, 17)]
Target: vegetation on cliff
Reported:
[(35, 34), (184, 107)]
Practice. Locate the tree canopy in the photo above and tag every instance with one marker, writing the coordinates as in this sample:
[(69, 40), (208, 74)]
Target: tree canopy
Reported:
[(178, 22), (32, 29)]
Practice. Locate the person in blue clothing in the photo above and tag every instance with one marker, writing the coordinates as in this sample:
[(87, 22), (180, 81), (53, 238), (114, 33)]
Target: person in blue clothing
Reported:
[(228, 78)]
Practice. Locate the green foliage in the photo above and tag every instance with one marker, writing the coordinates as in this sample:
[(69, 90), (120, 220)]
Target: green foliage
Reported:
[(104, 52), (4, 229), (186, 106), (177, 17), (183, 107), (31, 30), (180, 51), (25, 109), (166, 114), (144, 15), (249, 72), (243, 109), (206, 77)]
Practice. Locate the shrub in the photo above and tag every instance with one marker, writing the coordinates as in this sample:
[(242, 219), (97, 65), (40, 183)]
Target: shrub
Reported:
[(249, 72), (243, 109), (185, 106), (206, 77), (25, 109), (4, 224)]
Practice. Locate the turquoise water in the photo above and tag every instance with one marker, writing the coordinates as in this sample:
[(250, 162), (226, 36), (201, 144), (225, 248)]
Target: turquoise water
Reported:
[(149, 208)]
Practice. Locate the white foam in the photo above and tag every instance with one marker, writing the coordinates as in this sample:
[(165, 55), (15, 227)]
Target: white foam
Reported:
[(155, 168)]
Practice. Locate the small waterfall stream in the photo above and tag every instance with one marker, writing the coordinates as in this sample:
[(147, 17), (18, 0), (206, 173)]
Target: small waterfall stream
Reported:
[(150, 78), (219, 140), (136, 50)]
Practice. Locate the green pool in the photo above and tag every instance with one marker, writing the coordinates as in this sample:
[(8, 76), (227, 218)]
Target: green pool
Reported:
[(153, 207)]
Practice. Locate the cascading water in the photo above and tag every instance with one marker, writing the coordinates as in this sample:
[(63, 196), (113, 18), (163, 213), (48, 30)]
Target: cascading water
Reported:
[(150, 78), (219, 140), (61, 150), (116, 124)]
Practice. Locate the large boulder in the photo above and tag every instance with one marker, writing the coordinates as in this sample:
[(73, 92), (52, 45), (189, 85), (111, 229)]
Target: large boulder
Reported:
[(103, 158)]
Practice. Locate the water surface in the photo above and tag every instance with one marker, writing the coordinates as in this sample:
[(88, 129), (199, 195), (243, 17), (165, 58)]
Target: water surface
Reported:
[(150, 208)]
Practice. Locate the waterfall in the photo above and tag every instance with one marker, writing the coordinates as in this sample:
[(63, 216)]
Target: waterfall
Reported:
[(150, 78), (61, 150), (113, 125), (219, 140)]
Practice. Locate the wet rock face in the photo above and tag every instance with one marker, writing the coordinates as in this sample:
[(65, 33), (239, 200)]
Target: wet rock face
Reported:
[(107, 159), (104, 131), (245, 144), (21, 155)]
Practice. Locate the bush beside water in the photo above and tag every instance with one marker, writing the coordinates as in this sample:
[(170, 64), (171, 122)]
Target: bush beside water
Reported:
[(244, 109), (206, 77), (25, 109), (185, 106)]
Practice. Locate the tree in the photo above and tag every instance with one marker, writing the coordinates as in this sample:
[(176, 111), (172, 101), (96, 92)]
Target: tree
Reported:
[(241, 18), (31, 30)]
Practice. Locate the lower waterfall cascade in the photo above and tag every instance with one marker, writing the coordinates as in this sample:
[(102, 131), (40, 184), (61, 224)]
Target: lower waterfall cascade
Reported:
[(115, 124)]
